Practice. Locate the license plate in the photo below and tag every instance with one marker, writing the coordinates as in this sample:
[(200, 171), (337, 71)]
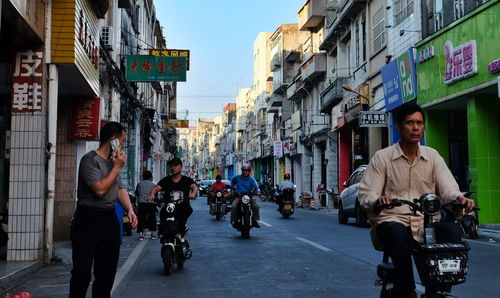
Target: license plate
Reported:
[(449, 265), (288, 206)]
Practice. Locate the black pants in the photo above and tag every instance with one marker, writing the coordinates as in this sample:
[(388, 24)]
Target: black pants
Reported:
[(398, 242), (147, 217), (95, 236)]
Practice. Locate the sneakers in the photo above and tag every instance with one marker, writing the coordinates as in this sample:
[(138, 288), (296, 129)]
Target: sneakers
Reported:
[(141, 238)]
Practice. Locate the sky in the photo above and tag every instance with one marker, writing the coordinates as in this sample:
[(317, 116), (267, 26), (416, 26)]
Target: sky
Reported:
[(220, 36)]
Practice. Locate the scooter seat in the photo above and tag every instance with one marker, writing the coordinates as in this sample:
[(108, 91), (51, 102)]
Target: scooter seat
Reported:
[(385, 271)]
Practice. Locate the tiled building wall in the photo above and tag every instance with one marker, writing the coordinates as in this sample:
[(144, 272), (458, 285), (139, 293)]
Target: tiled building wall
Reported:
[(26, 187), (66, 179)]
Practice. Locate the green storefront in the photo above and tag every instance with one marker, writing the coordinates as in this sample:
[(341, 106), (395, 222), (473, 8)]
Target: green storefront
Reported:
[(458, 73)]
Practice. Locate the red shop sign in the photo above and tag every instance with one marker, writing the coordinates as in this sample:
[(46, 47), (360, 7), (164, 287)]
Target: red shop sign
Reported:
[(27, 81), (85, 120)]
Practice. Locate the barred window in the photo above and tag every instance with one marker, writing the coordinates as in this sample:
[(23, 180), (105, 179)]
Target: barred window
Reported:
[(378, 29), (402, 10)]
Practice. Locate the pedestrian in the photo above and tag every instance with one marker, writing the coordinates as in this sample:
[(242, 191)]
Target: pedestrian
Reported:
[(95, 231), (146, 208), (177, 187)]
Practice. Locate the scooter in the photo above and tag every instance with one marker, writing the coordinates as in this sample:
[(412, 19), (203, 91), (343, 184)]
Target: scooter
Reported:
[(285, 206), (439, 265), (175, 249), (468, 223), (218, 204), (245, 214)]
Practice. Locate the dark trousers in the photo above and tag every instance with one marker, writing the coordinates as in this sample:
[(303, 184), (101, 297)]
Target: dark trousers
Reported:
[(398, 243), (147, 217), (95, 236)]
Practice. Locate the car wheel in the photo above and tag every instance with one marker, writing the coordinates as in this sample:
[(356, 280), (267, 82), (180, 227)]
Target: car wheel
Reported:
[(342, 216)]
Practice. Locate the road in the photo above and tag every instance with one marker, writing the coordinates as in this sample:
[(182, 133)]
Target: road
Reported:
[(308, 255)]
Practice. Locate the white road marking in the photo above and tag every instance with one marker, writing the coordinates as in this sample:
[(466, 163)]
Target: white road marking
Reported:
[(317, 245), (264, 223), (124, 269)]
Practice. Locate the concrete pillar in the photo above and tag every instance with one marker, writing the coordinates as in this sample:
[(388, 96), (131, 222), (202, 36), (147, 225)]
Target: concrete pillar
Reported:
[(306, 170), (332, 165), (316, 173)]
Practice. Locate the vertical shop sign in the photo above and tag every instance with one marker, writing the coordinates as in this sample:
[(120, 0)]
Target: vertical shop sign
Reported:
[(461, 62), (278, 149), (407, 76), (399, 79), (85, 120), (27, 81)]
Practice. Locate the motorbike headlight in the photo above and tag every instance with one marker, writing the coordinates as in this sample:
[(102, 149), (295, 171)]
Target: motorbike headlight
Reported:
[(245, 199), (219, 194), (170, 207), (431, 204)]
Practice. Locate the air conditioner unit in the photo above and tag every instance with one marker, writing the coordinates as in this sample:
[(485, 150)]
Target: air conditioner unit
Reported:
[(107, 37)]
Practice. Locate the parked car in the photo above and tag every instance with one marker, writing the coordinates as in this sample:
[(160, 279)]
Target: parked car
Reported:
[(204, 186), (349, 202)]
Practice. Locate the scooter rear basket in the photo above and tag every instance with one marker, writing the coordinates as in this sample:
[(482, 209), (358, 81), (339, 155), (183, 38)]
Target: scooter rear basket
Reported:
[(442, 264)]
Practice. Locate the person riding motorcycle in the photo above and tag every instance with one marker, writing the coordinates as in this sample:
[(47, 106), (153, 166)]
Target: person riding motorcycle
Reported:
[(406, 170), (218, 185), (245, 183), (285, 184)]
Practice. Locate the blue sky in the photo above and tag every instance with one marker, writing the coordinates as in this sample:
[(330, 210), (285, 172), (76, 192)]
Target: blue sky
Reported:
[(220, 36)]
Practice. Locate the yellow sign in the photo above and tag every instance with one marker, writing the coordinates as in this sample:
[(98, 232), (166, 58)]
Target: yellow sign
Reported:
[(75, 39), (178, 123)]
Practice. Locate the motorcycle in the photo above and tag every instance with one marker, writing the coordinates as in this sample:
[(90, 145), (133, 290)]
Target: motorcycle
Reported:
[(468, 223), (245, 215), (175, 249), (268, 192), (218, 204), (286, 202), (439, 265)]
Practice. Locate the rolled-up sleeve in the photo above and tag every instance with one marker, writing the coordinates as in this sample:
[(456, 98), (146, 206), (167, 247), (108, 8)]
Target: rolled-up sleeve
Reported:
[(372, 184)]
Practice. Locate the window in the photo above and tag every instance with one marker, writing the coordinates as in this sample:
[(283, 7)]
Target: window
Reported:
[(402, 10), (378, 29), (363, 30), (356, 33), (458, 9), (438, 15)]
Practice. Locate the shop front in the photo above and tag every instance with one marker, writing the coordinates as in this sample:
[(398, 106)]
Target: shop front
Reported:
[(458, 86)]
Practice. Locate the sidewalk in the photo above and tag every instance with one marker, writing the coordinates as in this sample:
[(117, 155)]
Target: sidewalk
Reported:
[(53, 280)]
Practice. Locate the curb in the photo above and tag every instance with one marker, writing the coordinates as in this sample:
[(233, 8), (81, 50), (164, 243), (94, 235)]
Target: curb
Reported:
[(18, 271)]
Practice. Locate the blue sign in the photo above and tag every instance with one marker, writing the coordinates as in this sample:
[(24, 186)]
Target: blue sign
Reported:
[(399, 80), (392, 90)]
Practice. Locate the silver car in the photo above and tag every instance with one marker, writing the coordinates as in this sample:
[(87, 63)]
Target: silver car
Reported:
[(349, 203)]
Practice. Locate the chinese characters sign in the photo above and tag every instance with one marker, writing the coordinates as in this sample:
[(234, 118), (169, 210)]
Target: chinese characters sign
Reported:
[(171, 53), (461, 62), (155, 68), (178, 123), (85, 120), (373, 119), (278, 148), (27, 81)]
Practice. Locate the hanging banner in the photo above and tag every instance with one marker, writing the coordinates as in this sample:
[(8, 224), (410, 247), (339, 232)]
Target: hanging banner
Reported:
[(278, 149), (85, 120), (27, 81), (146, 68)]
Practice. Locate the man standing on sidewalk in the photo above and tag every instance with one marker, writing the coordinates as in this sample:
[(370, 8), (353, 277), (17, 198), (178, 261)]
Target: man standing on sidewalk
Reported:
[(95, 231)]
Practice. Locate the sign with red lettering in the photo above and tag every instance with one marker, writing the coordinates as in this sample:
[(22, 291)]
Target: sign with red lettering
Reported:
[(85, 120), (147, 68), (171, 53), (27, 81)]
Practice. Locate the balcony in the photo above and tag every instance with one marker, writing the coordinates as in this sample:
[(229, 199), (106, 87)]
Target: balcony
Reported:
[(299, 89), (332, 94), (346, 12), (314, 67), (276, 62), (292, 56), (279, 86), (312, 14), (274, 102)]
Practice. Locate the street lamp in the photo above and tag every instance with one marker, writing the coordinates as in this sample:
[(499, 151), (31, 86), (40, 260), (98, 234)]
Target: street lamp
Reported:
[(348, 88)]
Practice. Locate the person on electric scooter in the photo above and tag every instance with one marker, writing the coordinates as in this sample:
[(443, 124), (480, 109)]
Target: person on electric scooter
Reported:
[(406, 170), (245, 183), (177, 186), (285, 184)]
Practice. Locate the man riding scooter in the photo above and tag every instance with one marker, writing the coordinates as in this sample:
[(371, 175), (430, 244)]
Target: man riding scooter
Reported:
[(284, 185), (244, 183), (406, 170)]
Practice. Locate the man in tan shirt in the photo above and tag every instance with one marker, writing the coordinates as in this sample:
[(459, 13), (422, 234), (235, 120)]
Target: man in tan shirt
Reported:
[(406, 170)]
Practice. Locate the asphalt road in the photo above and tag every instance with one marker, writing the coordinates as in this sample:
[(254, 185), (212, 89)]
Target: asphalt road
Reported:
[(308, 255)]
